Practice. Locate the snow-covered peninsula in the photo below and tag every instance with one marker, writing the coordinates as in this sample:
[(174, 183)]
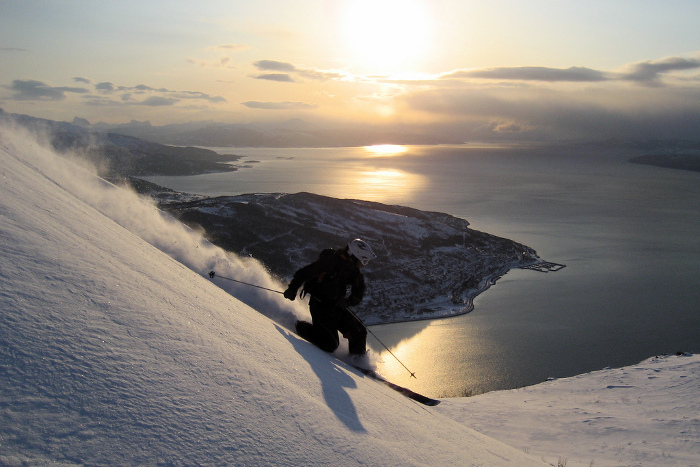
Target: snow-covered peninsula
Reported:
[(432, 264), (117, 349)]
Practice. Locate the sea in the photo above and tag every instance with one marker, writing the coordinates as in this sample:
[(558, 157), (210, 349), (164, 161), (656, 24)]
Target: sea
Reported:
[(628, 234)]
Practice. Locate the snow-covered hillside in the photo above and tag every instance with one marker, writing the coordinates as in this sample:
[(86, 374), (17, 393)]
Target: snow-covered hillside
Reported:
[(116, 349)]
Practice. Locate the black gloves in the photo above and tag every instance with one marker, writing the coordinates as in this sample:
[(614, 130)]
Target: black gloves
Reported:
[(290, 293)]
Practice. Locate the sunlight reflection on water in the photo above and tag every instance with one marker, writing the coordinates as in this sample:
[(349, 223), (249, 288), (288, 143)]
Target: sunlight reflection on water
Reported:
[(383, 185), (358, 173), (422, 347)]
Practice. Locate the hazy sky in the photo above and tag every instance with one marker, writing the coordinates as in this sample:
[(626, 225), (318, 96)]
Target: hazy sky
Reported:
[(476, 69)]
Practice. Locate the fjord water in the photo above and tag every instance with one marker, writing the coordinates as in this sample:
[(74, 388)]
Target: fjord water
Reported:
[(627, 233)]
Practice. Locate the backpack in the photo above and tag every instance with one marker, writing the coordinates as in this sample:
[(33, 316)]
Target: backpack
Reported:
[(326, 253), (313, 282)]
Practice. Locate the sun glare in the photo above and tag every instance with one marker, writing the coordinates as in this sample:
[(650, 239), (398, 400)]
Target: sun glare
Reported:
[(387, 185), (381, 150), (386, 35)]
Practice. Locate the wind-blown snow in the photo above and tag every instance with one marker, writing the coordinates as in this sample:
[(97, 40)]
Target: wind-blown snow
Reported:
[(117, 349)]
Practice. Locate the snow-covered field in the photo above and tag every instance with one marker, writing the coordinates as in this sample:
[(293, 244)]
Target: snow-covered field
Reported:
[(117, 349)]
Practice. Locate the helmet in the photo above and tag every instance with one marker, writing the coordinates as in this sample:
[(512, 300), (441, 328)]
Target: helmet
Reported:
[(361, 250)]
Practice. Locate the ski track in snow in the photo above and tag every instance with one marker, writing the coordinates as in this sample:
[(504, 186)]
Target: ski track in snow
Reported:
[(114, 353)]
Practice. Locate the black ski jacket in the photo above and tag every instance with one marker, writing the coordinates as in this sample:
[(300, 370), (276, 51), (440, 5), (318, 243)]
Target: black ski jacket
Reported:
[(328, 278)]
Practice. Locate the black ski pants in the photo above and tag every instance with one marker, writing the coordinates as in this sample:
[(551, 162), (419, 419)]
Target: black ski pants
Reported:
[(327, 321)]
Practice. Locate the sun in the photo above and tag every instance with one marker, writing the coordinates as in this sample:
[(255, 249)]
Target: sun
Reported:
[(386, 35)]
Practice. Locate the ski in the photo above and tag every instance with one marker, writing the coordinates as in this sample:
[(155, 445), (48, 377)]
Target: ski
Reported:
[(405, 391)]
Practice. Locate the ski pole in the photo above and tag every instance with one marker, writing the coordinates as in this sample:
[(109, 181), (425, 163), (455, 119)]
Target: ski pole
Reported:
[(413, 374), (212, 274)]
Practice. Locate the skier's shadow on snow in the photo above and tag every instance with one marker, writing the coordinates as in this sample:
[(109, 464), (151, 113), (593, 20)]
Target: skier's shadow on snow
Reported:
[(329, 374)]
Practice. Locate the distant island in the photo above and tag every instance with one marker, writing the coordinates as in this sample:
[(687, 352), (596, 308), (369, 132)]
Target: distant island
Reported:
[(674, 161)]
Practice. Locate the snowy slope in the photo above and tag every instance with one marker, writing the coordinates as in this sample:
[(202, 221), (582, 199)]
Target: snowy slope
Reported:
[(643, 415), (115, 348)]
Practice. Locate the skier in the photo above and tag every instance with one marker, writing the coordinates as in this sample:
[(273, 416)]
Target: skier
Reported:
[(327, 281)]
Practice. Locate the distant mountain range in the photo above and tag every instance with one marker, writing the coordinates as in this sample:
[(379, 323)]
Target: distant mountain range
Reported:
[(118, 156), (287, 134)]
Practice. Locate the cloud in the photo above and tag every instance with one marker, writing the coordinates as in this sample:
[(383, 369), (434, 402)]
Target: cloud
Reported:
[(496, 112), (158, 101), (159, 96), (285, 70), (279, 105), (321, 75), (650, 72), (279, 77), (232, 47), (28, 90), (223, 62), (532, 73), (78, 79), (272, 65), (13, 49), (647, 72), (198, 95), (106, 87), (99, 101), (505, 127), (143, 87)]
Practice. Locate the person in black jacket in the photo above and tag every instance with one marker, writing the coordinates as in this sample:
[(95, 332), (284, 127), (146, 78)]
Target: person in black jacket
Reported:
[(327, 281)]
